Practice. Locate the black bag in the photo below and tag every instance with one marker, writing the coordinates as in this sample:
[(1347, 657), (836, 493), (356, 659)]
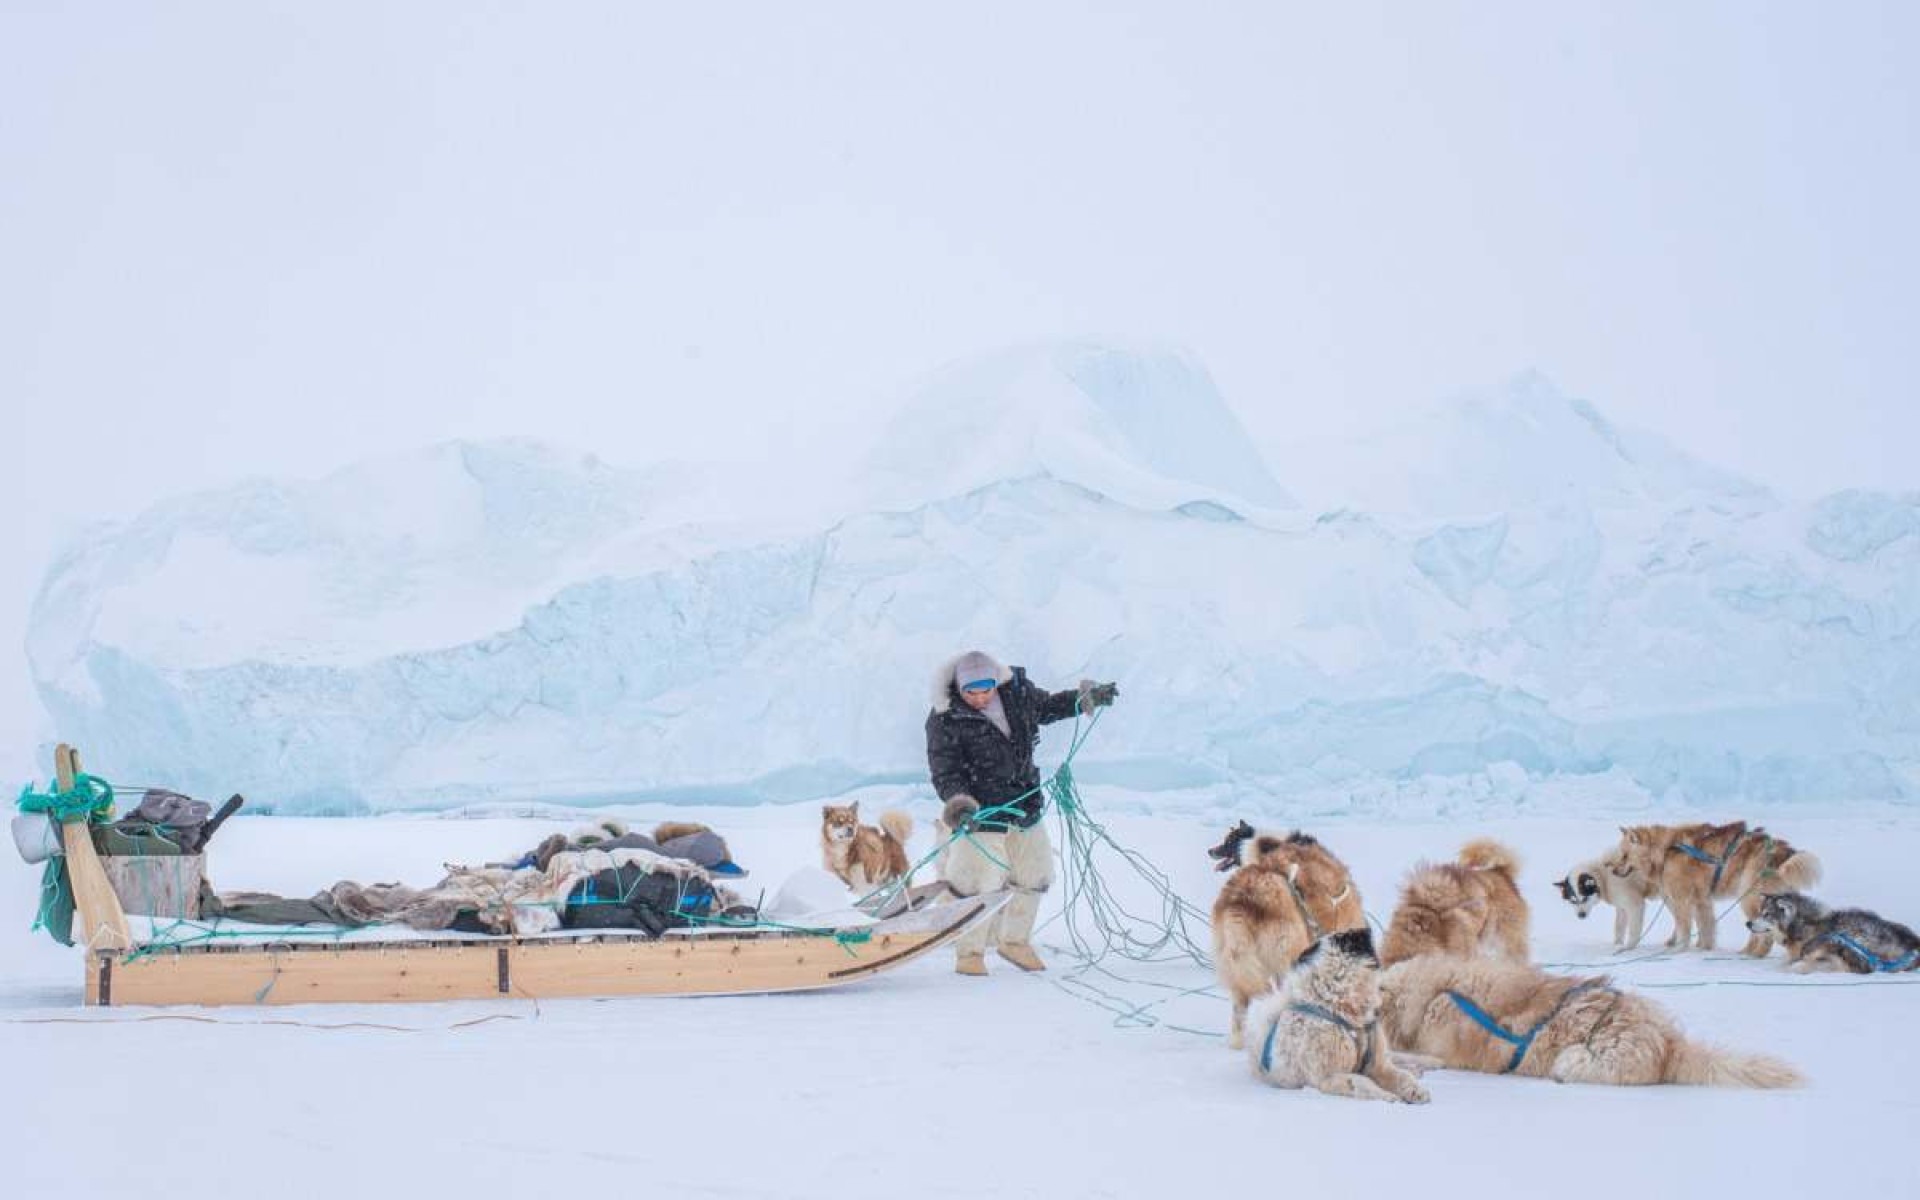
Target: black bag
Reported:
[(632, 897)]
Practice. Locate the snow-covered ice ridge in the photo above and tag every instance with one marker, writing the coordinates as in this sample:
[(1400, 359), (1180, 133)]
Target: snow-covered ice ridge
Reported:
[(1510, 593)]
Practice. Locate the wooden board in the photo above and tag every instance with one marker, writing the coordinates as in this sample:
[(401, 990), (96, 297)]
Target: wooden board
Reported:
[(102, 924), (365, 973)]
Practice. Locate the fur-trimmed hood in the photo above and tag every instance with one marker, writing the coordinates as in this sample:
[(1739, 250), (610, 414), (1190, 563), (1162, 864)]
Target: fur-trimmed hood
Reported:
[(941, 694)]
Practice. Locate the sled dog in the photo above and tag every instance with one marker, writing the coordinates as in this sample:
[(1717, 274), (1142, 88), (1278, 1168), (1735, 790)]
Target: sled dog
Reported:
[(1287, 891), (1466, 907), (1321, 1027), (1505, 1018), (1848, 939), (861, 855), (1691, 866), (1593, 883)]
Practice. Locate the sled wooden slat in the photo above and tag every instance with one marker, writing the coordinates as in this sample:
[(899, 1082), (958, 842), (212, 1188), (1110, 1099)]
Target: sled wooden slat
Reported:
[(692, 966), (372, 972), (308, 975), (103, 925)]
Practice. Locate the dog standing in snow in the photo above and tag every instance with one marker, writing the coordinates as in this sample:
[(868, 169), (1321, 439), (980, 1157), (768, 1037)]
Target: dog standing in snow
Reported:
[(861, 855), (1286, 890), (1592, 883), (1467, 907), (1691, 866)]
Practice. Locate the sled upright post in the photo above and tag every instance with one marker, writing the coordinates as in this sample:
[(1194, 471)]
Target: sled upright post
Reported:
[(103, 925)]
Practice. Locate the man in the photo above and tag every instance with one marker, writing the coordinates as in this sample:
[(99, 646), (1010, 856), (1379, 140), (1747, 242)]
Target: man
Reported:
[(981, 735)]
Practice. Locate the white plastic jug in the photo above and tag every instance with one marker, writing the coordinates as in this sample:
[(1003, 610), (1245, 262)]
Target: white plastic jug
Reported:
[(37, 836)]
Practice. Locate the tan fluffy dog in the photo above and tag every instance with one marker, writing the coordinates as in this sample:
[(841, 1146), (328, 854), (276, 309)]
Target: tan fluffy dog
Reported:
[(1288, 891), (1467, 907), (862, 856), (1321, 1027), (1554, 1027), (1691, 866)]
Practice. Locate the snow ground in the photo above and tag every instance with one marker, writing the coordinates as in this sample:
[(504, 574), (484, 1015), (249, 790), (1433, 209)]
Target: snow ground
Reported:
[(919, 1082)]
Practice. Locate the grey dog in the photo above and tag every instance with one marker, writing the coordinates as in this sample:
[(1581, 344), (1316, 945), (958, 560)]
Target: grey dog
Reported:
[(1847, 939)]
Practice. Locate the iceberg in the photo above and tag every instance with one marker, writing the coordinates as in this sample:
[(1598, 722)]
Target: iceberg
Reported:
[(1514, 591)]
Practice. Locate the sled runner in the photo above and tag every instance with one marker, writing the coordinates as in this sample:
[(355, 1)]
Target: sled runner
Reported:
[(130, 962)]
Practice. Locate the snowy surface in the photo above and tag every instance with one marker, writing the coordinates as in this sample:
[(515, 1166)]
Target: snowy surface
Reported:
[(1513, 590), (920, 1082)]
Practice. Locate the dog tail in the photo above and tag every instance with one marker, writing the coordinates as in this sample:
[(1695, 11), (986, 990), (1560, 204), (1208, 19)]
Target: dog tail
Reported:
[(1485, 854), (1801, 872), (1701, 1065), (897, 824)]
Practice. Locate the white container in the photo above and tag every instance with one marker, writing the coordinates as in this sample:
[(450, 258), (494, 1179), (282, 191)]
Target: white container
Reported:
[(37, 837)]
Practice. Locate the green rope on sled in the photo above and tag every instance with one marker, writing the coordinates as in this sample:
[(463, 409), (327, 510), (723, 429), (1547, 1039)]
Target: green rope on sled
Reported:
[(89, 799)]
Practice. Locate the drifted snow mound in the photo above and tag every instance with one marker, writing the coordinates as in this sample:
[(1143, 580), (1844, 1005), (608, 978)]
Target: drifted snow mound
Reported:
[(506, 622)]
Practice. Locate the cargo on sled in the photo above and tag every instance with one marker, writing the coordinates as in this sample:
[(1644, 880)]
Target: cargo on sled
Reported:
[(173, 954)]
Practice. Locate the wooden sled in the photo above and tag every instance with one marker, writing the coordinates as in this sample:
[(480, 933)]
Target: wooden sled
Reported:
[(683, 963)]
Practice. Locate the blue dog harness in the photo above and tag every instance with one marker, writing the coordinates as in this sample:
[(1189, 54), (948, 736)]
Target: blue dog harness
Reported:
[(1361, 1037), (1521, 1042), (1719, 865), (1874, 961)]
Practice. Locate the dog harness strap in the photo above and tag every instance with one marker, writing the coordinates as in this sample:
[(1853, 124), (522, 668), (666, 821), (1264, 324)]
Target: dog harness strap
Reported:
[(1719, 865), (1873, 960), (1521, 1043), (1300, 902), (1266, 1049), (1362, 1039)]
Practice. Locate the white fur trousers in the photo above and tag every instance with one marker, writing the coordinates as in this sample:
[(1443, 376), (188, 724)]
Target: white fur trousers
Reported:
[(1024, 865)]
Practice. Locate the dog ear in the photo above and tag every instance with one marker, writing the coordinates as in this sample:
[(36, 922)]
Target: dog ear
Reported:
[(854, 808), (1357, 943)]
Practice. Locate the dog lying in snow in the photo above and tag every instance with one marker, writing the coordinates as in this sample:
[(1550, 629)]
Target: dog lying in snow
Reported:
[(1848, 939), (1466, 907), (1287, 891), (1505, 1018), (1320, 1027)]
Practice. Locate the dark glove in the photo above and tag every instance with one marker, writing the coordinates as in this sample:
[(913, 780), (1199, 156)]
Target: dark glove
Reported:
[(1097, 695), (959, 810)]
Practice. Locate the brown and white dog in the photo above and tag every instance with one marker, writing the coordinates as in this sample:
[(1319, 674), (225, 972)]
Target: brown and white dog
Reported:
[(1593, 883), (1467, 907), (1691, 866), (1288, 891), (861, 855), (1320, 1028), (1476, 1014)]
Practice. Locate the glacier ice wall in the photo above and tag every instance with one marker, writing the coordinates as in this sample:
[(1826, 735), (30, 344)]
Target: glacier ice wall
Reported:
[(503, 620)]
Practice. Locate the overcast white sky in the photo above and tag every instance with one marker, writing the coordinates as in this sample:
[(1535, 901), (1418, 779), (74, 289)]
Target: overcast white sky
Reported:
[(242, 238)]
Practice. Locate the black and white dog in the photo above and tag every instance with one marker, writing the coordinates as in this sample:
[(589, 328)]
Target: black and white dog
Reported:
[(1847, 939), (1590, 883)]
